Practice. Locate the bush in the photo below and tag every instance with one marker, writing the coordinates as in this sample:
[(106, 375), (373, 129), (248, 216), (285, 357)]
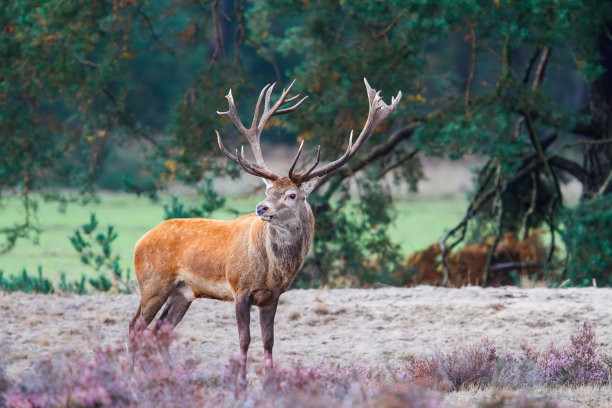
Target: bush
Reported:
[(211, 202), (24, 282), (77, 286), (109, 378), (520, 401), (352, 246), (474, 365), (577, 364), (5, 384), (95, 250), (518, 372), (148, 378), (588, 239)]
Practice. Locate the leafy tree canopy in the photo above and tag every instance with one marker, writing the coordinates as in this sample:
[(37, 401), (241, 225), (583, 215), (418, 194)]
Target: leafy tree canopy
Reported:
[(526, 84)]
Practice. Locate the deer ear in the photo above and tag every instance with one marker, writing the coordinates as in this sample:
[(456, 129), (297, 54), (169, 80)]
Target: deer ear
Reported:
[(267, 182), (308, 186)]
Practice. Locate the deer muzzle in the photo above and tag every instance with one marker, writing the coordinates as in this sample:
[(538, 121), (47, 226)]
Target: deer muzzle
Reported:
[(261, 209)]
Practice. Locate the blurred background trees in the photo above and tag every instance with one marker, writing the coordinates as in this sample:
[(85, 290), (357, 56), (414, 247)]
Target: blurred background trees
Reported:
[(122, 94)]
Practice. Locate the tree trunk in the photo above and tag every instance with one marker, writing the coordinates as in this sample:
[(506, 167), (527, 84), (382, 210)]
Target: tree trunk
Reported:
[(598, 157)]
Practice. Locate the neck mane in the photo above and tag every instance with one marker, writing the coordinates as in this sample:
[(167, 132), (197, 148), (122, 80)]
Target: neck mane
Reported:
[(289, 244)]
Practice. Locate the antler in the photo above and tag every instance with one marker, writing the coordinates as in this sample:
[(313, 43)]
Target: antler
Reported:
[(253, 134), (378, 112)]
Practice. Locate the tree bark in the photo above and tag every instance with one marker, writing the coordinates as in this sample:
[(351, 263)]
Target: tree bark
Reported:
[(597, 160)]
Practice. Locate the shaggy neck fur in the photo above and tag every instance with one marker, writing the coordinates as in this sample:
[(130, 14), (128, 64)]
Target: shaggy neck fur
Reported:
[(289, 244)]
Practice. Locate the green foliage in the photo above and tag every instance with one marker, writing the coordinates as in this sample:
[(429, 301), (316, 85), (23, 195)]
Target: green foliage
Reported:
[(24, 282), (94, 249), (78, 286), (211, 202), (352, 245), (587, 234), (486, 97), (73, 79), (82, 84)]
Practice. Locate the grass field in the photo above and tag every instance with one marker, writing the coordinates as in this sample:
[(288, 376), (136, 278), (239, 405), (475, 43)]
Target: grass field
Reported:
[(419, 223)]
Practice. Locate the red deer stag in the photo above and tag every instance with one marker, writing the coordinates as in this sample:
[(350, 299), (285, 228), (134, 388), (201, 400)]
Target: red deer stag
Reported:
[(253, 259)]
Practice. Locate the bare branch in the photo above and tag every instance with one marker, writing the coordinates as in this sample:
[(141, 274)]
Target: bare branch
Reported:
[(539, 76), (531, 63), (468, 86), (605, 184), (384, 32), (499, 206)]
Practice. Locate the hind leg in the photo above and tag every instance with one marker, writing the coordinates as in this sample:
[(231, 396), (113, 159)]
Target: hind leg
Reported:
[(177, 305), (152, 299), (178, 302)]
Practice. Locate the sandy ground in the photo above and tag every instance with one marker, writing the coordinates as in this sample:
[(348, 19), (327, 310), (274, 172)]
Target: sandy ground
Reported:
[(347, 325)]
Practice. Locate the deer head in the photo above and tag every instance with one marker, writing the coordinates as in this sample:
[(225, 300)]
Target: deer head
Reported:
[(285, 196)]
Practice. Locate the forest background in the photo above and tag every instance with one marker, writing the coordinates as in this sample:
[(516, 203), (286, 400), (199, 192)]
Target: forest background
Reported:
[(108, 111)]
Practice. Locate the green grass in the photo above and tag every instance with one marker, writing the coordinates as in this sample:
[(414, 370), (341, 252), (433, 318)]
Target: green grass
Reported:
[(419, 223), (422, 222)]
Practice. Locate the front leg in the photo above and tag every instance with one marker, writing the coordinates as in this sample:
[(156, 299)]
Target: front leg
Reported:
[(266, 321), (243, 318)]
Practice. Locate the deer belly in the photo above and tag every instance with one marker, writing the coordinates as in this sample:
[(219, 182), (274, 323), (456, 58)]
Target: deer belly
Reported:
[(204, 287)]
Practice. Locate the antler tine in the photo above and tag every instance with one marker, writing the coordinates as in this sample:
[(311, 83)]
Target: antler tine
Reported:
[(377, 112), (295, 159), (298, 177), (256, 114), (293, 98), (273, 111), (292, 108), (224, 150), (253, 134), (254, 169), (267, 103), (246, 166), (232, 113), (328, 167), (371, 91), (316, 162), (369, 128)]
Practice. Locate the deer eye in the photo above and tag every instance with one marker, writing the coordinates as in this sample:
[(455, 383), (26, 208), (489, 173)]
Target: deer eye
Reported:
[(292, 196)]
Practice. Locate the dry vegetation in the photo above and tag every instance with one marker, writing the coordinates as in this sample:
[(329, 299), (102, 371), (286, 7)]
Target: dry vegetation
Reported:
[(467, 265), (374, 339)]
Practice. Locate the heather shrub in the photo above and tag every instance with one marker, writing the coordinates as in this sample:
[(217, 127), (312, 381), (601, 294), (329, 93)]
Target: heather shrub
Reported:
[(577, 364), (315, 380), (520, 401), (401, 394), (473, 365), (110, 379), (4, 383), (146, 377), (341, 385), (69, 380), (157, 382), (424, 372), (518, 372)]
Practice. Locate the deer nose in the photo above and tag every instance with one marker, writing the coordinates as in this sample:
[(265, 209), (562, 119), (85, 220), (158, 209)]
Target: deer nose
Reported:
[(261, 209)]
